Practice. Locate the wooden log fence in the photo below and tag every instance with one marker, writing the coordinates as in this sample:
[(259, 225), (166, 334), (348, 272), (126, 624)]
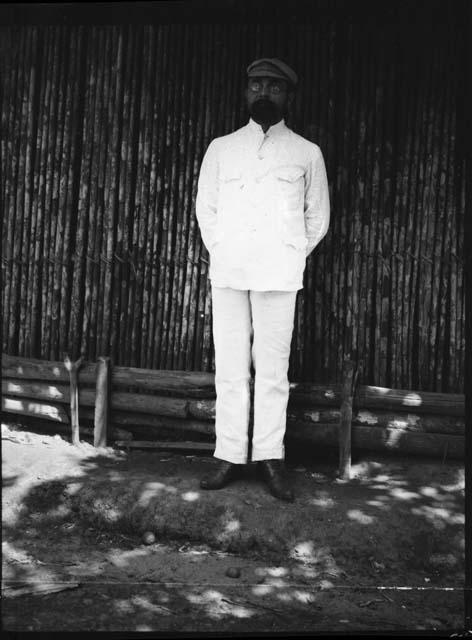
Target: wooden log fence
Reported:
[(127, 403)]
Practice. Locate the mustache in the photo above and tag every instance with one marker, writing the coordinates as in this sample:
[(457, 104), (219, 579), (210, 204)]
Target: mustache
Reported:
[(264, 110), (263, 104)]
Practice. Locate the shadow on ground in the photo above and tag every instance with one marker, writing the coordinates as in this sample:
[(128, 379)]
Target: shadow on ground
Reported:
[(384, 551)]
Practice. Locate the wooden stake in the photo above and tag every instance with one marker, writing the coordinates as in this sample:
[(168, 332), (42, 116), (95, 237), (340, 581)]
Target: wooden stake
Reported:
[(102, 403), (73, 368)]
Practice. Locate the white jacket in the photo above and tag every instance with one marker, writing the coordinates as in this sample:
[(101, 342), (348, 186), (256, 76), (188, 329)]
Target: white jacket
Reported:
[(262, 206)]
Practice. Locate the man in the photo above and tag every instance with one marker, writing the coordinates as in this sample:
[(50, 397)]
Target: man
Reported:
[(262, 207)]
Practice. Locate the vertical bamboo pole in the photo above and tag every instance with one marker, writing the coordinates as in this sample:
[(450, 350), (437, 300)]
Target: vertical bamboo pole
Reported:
[(328, 273), (57, 238), (412, 129), (418, 331), (163, 90), (13, 57), (165, 154), (189, 255), (36, 280), (51, 201), (445, 376), (175, 226), (346, 258), (386, 176), (18, 186), (7, 71), (446, 279), (48, 124), (72, 260), (133, 210), (115, 118), (379, 361), (92, 195), (72, 329), (372, 237), (447, 312), (399, 308), (148, 197), (196, 308), (24, 339), (64, 257), (186, 136), (440, 238), (426, 254), (351, 214), (104, 179), (424, 298), (335, 335), (20, 230), (169, 206), (453, 343), (148, 356), (141, 191), (177, 184), (364, 217), (122, 314), (358, 309)]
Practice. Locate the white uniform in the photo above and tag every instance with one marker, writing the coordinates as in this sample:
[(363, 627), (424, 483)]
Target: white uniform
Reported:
[(262, 206)]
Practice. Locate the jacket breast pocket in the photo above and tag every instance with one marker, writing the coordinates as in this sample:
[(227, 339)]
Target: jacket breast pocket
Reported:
[(290, 186), (231, 180)]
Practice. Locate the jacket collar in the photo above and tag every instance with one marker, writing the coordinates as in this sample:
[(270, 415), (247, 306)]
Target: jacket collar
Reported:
[(275, 130)]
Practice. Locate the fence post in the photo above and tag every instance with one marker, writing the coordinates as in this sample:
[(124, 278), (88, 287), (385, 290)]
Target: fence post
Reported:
[(72, 368), (102, 403), (345, 422)]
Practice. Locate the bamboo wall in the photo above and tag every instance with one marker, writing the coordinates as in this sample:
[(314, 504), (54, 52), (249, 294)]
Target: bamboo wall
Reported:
[(103, 132)]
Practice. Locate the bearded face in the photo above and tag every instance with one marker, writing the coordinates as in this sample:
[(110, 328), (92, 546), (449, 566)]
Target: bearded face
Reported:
[(266, 111), (268, 100)]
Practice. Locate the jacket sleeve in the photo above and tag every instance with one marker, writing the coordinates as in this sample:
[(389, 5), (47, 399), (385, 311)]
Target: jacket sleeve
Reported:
[(207, 196), (317, 212)]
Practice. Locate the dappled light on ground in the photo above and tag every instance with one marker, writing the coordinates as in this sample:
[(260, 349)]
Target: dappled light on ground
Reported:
[(217, 606), (152, 490), (314, 563), (359, 516), (190, 496)]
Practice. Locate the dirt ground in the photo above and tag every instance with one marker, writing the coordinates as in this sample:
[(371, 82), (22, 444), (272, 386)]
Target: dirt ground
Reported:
[(383, 552)]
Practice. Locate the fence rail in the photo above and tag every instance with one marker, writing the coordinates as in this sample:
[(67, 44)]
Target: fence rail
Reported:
[(141, 403)]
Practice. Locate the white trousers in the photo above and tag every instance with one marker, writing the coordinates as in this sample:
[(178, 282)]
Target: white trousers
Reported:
[(267, 317)]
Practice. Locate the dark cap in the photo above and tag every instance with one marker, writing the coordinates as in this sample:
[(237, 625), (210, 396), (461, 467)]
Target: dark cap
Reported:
[(273, 68)]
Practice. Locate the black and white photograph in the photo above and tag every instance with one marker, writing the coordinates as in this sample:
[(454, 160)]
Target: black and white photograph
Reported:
[(236, 297)]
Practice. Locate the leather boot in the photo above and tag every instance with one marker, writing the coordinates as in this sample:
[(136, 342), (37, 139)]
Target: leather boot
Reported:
[(273, 472), (225, 473)]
